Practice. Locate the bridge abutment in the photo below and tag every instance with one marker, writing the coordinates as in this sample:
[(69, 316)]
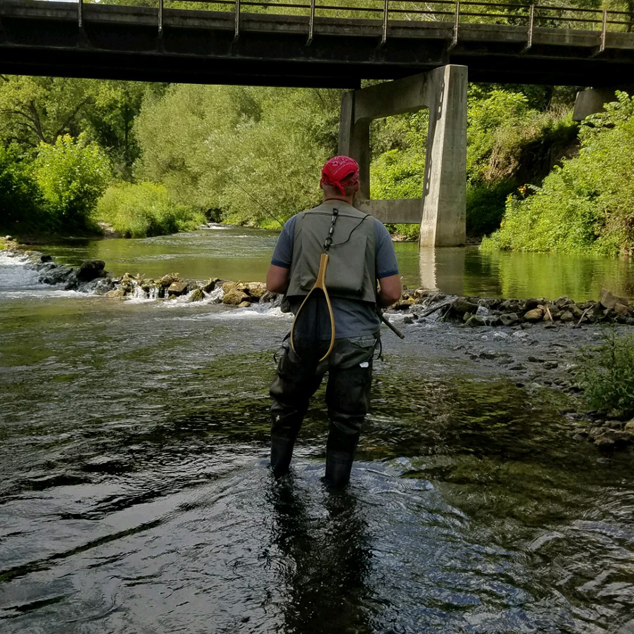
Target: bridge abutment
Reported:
[(442, 209), (593, 100)]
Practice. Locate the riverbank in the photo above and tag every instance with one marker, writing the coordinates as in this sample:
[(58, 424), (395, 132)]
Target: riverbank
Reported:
[(533, 342)]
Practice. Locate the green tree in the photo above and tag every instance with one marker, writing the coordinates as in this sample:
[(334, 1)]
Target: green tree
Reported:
[(21, 201), (110, 116), (36, 110), (144, 209), (253, 153), (72, 174)]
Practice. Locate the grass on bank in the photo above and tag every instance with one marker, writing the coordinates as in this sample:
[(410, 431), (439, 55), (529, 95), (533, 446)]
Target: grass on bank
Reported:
[(606, 374), (144, 209)]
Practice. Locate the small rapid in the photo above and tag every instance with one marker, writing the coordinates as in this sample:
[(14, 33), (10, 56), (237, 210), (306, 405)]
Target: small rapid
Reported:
[(19, 280)]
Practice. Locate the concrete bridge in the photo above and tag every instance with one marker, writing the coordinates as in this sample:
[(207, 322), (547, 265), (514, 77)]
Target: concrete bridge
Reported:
[(317, 43)]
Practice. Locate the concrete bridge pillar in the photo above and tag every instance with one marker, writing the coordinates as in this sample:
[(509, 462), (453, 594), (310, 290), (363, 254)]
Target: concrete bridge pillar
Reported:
[(442, 209), (593, 100)]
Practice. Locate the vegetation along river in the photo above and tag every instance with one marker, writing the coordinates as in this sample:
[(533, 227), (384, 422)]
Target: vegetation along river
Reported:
[(135, 495)]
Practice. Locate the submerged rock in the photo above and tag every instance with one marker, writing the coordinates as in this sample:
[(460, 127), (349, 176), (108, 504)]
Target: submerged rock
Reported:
[(463, 305), (210, 285), (256, 289), (169, 279), (234, 296), (100, 286), (475, 321), (197, 295), (620, 309), (57, 274), (509, 319), (117, 293)]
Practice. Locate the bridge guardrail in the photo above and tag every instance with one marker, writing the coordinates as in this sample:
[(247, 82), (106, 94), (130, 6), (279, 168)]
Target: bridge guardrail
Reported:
[(468, 11), (396, 12)]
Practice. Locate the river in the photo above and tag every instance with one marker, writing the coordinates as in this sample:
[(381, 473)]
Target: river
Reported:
[(135, 495)]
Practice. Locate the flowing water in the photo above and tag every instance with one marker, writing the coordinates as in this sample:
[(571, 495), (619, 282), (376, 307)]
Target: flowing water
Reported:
[(135, 495), (238, 253)]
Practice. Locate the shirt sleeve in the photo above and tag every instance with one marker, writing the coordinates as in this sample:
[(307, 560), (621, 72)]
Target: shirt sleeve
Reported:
[(283, 253), (386, 263)]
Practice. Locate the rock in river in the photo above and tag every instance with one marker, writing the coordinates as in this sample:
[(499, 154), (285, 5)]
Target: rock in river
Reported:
[(90, 270), (176, 289), (607, 300), (535, 314)]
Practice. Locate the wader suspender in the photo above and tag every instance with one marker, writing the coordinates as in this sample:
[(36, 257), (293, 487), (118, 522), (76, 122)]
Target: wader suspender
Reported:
[(320, 283)]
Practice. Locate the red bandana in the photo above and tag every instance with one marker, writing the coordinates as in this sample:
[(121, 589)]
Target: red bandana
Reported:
[(339, 172)]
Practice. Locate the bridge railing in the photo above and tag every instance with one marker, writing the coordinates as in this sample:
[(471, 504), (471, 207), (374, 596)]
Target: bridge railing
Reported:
[(386, 12)]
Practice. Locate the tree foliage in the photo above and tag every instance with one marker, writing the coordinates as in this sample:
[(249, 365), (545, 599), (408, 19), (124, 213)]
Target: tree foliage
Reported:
[(72, 175), (36, 110), (253, 153), (21, 201), (587, 204)]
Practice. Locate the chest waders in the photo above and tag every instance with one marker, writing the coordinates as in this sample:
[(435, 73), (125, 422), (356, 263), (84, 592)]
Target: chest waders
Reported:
[(320, 284)]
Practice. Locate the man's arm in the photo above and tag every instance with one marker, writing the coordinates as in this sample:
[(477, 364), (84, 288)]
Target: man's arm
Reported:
[(278, 275), (390, 290), (277, 279), (386, 268)]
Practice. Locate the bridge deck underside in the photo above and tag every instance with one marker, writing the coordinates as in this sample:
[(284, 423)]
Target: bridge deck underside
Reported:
[(44, 38)]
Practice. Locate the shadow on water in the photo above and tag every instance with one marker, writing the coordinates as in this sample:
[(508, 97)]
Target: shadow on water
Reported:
[(135, 495), (324, 561)]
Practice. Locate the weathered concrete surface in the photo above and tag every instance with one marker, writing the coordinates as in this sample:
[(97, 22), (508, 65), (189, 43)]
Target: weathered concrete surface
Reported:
[(404, 211), (445, 184), (444, 92), (121, 42), (593, 100), (354, 140)]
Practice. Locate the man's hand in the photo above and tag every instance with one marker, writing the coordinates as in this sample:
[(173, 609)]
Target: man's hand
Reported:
[(277, 279), (390, 290)]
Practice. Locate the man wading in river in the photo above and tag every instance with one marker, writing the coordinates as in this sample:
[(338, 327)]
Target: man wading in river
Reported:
[(336, 330)]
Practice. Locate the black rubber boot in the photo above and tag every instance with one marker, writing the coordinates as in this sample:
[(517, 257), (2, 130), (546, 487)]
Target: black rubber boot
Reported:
[(338, 468), (281, 454)]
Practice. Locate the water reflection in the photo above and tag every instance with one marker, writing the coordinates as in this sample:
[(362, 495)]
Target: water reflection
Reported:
[(241, 253), (325, 561), (469, 271), (443, 269)]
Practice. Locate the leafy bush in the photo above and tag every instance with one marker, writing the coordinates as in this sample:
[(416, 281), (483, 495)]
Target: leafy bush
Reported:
[(143, 210), (587, 204), (485, 205), (21, 201), (72, 175), (606, 374), (496, 124), (397, 174)]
